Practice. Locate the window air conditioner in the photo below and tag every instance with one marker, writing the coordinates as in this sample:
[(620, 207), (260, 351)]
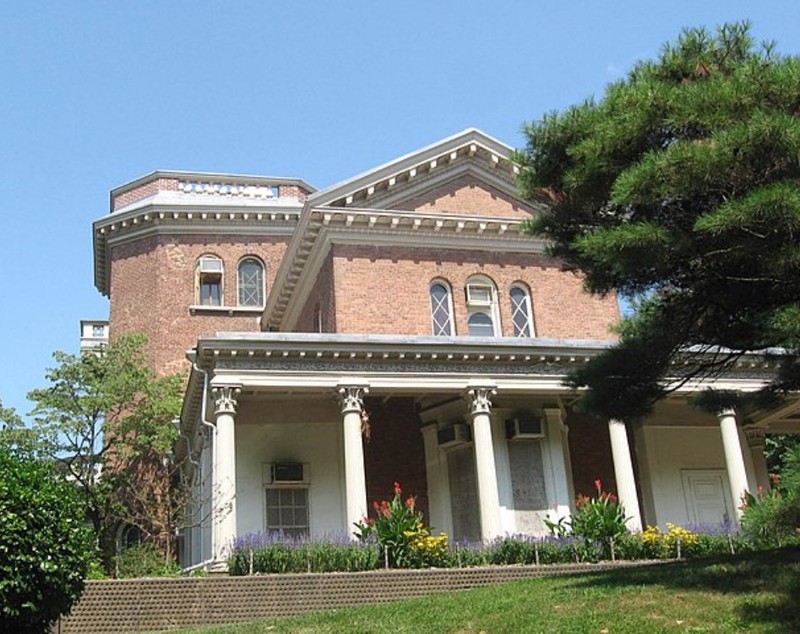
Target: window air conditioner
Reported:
[(288, 473), (454, 435), (210, 265), (479, 295), (524, 428)]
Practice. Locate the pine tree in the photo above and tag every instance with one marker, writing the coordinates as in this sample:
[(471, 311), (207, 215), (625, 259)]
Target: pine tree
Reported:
[(681, 188)]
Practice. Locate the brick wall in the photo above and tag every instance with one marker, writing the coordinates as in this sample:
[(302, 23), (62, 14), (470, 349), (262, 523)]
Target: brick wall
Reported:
[(320, 298), (468, 196), (153, 286), (143, 191), (590, 453), (382, 289), (395, 451)]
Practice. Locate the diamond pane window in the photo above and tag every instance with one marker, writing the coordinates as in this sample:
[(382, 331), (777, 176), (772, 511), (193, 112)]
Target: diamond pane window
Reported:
[(441, 310), (521, 312), (251, 282)]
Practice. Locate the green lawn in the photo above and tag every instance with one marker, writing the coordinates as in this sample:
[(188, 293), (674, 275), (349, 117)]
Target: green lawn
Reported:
[(754, 593)]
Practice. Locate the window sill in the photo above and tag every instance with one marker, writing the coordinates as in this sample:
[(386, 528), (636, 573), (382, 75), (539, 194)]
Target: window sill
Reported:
[(199, 309)]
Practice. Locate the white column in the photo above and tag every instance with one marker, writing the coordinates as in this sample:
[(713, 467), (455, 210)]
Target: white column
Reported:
[(755, 440), (351, 398), (439, 510), (623, 473), (559, 490), (734, 460), (224, 493), (488, 498)]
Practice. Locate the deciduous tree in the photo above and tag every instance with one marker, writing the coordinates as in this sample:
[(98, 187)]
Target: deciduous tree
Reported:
[(106, 420)]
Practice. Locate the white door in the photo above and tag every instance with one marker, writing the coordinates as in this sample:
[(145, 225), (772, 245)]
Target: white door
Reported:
[(706, 495)]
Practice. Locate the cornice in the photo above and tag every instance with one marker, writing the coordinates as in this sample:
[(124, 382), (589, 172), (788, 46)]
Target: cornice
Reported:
[(190, 176), (322, 227), (470, 143), (145, 220)]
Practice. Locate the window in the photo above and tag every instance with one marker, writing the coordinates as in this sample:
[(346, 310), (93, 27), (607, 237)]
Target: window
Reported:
[(287, 511), (441, 309), (483, 317), (209, 280), (521, 314), (250, 280)]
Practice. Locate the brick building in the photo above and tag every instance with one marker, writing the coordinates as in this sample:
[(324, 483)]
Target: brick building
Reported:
[(404, 301)]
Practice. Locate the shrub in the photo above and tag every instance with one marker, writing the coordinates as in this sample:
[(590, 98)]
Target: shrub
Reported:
[(280, 553), (45, 545), (144, 560), (771, 518)]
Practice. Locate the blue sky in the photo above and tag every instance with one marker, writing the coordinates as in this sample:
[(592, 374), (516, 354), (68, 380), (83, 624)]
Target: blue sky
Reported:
[(97, 93)]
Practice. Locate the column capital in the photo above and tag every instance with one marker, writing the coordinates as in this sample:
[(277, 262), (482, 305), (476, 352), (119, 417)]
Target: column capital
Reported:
[(351, 397), (725, 412), (479, 398), (225, 398), (755, 436)]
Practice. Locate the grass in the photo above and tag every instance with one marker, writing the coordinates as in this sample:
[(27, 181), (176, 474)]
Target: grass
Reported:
[(758, 592)]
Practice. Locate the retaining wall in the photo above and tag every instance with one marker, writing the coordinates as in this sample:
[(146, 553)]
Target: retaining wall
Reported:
[(143, 605)]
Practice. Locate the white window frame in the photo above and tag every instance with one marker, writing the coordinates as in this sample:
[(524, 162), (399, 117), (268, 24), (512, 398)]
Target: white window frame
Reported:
[(204, 271), (305, 530), (262, 290), (449, 332), (477, 304), (525, 309)]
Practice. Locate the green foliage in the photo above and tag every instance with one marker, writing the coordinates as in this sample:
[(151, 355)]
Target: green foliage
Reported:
[(283, 556), (104, 409), (599, 519), (681, 186), (45, 546), (401, 534), (144, 560), (771, 518)]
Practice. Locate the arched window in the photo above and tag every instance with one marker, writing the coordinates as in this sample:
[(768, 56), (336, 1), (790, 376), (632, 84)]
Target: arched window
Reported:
[(250, 282), (441, 309), (209, 281), (521, 313), (483, 317)]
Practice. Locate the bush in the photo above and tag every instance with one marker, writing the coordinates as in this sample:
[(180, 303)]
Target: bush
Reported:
[(144, 560), (280, 553), (772, 518), (45, 545)]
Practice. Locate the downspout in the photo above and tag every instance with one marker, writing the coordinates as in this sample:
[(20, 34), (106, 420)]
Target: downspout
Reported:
[(213, 433)]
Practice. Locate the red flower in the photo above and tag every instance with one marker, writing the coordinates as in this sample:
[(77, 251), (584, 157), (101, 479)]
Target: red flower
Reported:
[(410, 502), (397, 489), (598, 485), (776, 478), (376, 506)]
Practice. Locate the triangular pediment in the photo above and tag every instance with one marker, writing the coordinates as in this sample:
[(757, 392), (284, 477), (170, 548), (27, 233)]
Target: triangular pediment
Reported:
[(469, 173)]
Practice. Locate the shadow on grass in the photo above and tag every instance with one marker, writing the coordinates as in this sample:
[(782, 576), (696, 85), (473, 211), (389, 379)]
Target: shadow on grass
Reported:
[(776, 572)]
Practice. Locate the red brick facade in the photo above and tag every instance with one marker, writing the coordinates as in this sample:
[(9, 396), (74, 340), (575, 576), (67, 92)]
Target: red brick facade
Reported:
[(144, 190), (378, 289), (153, 286), (468, 196)]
